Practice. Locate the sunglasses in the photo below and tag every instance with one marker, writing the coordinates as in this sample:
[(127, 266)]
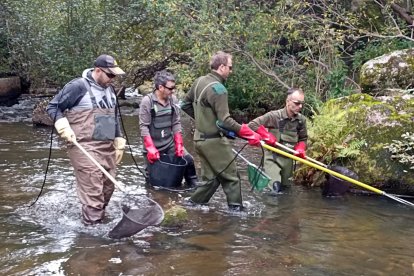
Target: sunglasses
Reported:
[(297, 102), (109, 75), (170, 88)]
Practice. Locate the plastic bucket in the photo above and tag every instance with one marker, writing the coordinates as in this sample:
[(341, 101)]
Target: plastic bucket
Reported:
[(136, 219), (168, 171), (335, 186)]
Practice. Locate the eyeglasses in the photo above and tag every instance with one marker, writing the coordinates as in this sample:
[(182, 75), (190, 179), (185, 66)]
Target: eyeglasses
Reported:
[(170, 88), (230, 67), (109, 75), (298, 102)]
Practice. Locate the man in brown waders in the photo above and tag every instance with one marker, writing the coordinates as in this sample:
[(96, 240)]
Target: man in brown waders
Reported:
[(85, 111), (160, 126), (288, 126), (207, 102)]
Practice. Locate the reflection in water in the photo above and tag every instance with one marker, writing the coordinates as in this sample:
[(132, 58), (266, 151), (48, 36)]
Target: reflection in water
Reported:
[(297, 233)]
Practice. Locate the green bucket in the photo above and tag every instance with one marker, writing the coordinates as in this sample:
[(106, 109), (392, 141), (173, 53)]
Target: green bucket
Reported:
[(257, 178)]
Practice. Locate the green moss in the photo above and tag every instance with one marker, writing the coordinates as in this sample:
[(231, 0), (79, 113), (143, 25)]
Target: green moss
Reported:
[(175, 216), (361, 117)]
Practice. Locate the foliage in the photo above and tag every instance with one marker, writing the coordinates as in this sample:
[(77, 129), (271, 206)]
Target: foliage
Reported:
[(403, 151), (378, 47), (276, 44), (331, 137)]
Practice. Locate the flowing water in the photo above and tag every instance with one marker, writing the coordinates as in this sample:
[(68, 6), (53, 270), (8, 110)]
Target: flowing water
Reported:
[(296, 233)]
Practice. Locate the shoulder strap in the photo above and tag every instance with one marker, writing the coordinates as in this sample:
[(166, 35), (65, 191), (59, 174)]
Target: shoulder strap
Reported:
[(152, 106), (88, 88), (197, 99)]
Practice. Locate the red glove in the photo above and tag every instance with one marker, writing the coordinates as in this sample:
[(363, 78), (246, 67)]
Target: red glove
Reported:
[(153, 154), (268, 137), (300, 148), (179, 148), (252, 137)]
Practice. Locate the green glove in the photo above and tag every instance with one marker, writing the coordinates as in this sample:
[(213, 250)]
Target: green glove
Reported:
[(119, 145), (65, 131)]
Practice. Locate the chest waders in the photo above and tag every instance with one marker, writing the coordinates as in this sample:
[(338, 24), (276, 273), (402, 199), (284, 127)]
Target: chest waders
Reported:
[(161, 126), (278, 167), (162, 135), (215, 154), (95, 131)]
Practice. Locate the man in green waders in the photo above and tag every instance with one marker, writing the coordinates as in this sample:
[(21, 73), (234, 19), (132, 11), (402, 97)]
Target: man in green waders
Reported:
[(288, 126), (207, 102)]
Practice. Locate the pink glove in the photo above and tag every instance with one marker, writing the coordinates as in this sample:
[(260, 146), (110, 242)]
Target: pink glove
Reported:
[(179, 148), (153, 154), (300, 148), (252, 137), (268, 137)]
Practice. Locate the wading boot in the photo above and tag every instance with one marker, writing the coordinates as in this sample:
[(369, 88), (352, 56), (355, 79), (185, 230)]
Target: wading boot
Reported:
[(191, 182), (236, 208), (276, 188)]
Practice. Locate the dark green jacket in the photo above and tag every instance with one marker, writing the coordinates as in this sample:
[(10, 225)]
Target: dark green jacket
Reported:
[(207, 102), (287, 130)]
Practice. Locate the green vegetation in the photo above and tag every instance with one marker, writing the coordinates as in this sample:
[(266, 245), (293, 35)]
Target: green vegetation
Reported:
[(319, 46), (316, 45)]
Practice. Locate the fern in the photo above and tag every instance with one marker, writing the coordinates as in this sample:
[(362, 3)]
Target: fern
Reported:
[(331, 136), (351, 150)]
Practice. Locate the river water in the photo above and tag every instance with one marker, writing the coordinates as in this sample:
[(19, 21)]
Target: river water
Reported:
[(295, 233)]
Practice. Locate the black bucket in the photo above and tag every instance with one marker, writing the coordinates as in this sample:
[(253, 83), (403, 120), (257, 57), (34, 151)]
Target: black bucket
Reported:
[(335, 186), (168, 171), (137, 219)]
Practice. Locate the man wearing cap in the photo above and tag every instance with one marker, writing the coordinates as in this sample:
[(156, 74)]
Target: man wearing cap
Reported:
[(85, 111)]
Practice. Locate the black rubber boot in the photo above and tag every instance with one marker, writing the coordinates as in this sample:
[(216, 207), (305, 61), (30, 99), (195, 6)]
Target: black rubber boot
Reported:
[(191, 181), (190, 174), (277, 187), (236, 208)]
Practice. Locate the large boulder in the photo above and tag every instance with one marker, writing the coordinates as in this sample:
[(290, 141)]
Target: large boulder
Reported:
[(373, 121), (10, 90), (390, 71)]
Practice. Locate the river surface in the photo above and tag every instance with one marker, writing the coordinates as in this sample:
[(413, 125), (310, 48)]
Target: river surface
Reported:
[(295, 233)]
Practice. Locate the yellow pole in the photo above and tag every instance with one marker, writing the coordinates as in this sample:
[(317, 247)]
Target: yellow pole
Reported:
[(356, 182)]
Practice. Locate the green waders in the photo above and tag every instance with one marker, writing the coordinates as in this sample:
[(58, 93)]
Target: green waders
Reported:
[(215, 155), (279, 168)]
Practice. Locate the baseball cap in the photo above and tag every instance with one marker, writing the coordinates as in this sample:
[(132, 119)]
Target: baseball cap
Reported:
[(107, 61)]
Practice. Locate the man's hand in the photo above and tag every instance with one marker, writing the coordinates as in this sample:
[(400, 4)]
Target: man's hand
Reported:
[(300, 149), (252, 137), (65, 131), (268, 137), (119, 145), (179, 146), (152, 153)]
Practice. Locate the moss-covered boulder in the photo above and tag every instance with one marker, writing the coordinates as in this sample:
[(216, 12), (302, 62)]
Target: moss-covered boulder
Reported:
[(370, 124), (175, 216), (393, 70), (146, 88)]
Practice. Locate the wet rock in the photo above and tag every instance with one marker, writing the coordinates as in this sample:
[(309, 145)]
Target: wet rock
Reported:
[(175, 216), (40, 116), (10, 90)]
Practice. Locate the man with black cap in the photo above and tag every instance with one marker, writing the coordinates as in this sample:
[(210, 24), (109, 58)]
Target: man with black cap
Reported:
[(85, 111)]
